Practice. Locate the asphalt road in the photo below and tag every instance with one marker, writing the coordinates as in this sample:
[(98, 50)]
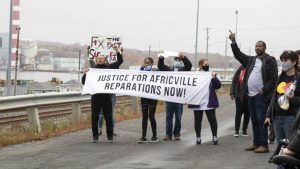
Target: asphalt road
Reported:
[(74, 150)]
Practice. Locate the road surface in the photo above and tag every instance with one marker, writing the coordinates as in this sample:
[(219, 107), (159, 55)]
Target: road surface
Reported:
[(74, 150)]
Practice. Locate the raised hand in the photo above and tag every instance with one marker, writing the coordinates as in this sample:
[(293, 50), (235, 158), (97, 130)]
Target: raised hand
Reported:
[(232, 37)]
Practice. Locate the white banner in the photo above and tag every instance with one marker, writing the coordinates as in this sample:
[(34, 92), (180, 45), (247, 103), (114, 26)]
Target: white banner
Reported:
[(179, 87), (103, 45)]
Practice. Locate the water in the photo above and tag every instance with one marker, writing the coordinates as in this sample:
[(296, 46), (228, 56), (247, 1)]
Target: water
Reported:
[(42, 76)]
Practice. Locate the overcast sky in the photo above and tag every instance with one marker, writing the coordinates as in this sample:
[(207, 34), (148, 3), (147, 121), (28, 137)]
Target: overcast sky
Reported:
[(168, 24)]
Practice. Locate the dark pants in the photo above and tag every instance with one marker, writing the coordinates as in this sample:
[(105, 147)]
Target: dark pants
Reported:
[(241, 108), (148, 110), (171, 109), (211, 116), (98, 102), (258, 109)]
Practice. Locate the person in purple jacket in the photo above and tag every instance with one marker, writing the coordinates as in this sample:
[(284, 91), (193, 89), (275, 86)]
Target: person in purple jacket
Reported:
[(209, 107)]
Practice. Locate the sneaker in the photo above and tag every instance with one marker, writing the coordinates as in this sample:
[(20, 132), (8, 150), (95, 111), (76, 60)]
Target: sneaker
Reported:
[(154, 140), (236, 134), (100, 131), (245, 134), (168, 138), (198, 140), (177, 137), (142, 140), (215, 140), (110, 140), (95, 139)]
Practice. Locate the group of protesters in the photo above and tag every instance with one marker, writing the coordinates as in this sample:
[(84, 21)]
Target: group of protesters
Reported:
[(259, 92), (102, 105)]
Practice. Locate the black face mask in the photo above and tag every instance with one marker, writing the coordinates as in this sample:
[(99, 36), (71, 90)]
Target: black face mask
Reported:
[(205, 68)]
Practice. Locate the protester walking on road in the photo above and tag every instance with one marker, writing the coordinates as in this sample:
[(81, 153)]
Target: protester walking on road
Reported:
[(103, 101), (181, 63), (259, 83), (209, 107), (148, 107), (237, 93)]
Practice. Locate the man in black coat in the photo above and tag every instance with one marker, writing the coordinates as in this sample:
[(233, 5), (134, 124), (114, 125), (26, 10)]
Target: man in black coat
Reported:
[(103, 101), (259, 82)]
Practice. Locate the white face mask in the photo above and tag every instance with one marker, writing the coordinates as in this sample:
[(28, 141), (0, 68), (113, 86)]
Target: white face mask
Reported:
[(286, 66), (148, 68), (178, 64)]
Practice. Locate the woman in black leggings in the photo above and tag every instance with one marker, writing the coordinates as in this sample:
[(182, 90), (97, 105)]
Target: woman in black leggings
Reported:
[(209, 107), (148, 108)]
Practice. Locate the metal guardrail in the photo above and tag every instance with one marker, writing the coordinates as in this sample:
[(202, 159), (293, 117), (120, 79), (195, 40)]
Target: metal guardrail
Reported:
[(26, 101), (32, 103)]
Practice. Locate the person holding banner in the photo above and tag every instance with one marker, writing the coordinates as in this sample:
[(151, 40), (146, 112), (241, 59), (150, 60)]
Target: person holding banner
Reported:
[(209, 107), (101, 101), (113, 98), (148, 107), (181, 63)]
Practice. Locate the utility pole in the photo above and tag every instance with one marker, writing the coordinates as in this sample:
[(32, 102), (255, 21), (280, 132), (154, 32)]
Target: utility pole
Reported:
[(225, 57), (196, 45), (17, 58), (79, 60), (149, 50), (8, 70), (207, 38), (236, 24), (236, 37)]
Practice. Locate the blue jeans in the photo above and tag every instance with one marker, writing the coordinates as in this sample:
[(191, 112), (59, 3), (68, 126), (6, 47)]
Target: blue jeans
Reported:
[(171, 109), (258, 109), (113, 101), (282, 126)]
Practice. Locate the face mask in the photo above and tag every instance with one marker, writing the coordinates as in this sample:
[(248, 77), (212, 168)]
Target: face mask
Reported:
[(205, 68), (286, 66), (177, 64), (148, 68)]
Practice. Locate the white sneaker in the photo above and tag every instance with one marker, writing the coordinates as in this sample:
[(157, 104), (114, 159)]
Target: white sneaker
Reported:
[(198, 140), (236, 134), (215, 140)]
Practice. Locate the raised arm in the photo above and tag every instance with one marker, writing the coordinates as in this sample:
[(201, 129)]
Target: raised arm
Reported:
[(161, 64), (240, 56)]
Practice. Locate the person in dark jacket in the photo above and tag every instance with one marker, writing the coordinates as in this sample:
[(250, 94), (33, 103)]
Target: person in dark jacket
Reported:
[(209, 107), (259, 85), (282, 119), (148, 107), (181, 63), (113, 99), (241, 103), (103, 101)]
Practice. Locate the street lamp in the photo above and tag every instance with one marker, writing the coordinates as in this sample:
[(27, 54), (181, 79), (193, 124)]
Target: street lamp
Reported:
[(196, 45), (236, 25)]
